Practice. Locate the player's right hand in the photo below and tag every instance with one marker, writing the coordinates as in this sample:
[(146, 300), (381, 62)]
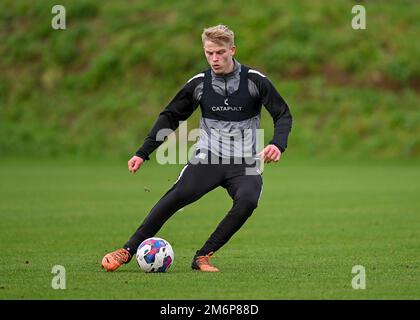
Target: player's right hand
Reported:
[(134, 164)]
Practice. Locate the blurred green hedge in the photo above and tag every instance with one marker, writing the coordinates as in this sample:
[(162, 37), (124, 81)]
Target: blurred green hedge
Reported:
[(97, 87)]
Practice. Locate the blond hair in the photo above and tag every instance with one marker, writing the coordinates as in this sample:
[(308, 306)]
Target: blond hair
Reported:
[(219, 34)]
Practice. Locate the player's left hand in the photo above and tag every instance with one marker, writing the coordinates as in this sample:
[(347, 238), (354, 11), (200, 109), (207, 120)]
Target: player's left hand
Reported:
[(270, 153)]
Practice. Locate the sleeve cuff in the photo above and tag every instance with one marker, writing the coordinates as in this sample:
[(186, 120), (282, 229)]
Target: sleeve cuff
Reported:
[(142, 155), (282, 149)]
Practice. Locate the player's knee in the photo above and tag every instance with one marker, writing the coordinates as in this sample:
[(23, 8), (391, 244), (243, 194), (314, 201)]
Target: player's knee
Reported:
[(248, 203)]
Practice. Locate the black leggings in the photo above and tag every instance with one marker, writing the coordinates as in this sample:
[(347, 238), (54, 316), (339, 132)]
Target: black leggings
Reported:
[(194, 181)]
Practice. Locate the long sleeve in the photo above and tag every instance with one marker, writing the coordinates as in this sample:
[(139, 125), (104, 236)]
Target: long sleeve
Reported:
[(278, 109), (179, 109)]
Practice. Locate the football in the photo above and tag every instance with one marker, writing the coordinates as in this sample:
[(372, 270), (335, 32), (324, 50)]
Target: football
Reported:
[(155, 255)]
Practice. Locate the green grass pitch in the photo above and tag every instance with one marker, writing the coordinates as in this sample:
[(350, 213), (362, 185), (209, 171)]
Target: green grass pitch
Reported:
[(315, 221)]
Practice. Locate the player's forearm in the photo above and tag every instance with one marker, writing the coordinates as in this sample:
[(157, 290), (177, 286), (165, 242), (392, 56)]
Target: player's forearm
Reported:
[(155, 138), (282, 128)]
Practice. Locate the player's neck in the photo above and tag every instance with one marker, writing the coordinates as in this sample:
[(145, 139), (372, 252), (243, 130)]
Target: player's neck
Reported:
[(230, 68)]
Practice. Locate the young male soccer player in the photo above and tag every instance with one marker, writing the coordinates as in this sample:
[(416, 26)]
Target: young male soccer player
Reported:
[(230, 96)]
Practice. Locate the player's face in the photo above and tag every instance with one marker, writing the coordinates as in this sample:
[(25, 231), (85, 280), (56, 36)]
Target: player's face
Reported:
[(219, 57)]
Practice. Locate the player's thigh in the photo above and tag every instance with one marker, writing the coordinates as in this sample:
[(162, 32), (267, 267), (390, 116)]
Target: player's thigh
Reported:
[(245, 187), (197, 179)]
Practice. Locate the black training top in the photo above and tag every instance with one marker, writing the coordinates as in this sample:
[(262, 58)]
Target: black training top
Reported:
[(231, 110)]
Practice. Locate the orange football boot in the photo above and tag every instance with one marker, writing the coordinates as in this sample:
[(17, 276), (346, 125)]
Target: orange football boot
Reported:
[(113, 260), (202, 263)]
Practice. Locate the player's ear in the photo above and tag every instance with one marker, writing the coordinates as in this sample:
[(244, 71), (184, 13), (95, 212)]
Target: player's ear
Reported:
[(233, 50)]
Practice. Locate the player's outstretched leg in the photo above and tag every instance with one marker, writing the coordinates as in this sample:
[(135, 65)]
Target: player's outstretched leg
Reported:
[(193, 182)]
